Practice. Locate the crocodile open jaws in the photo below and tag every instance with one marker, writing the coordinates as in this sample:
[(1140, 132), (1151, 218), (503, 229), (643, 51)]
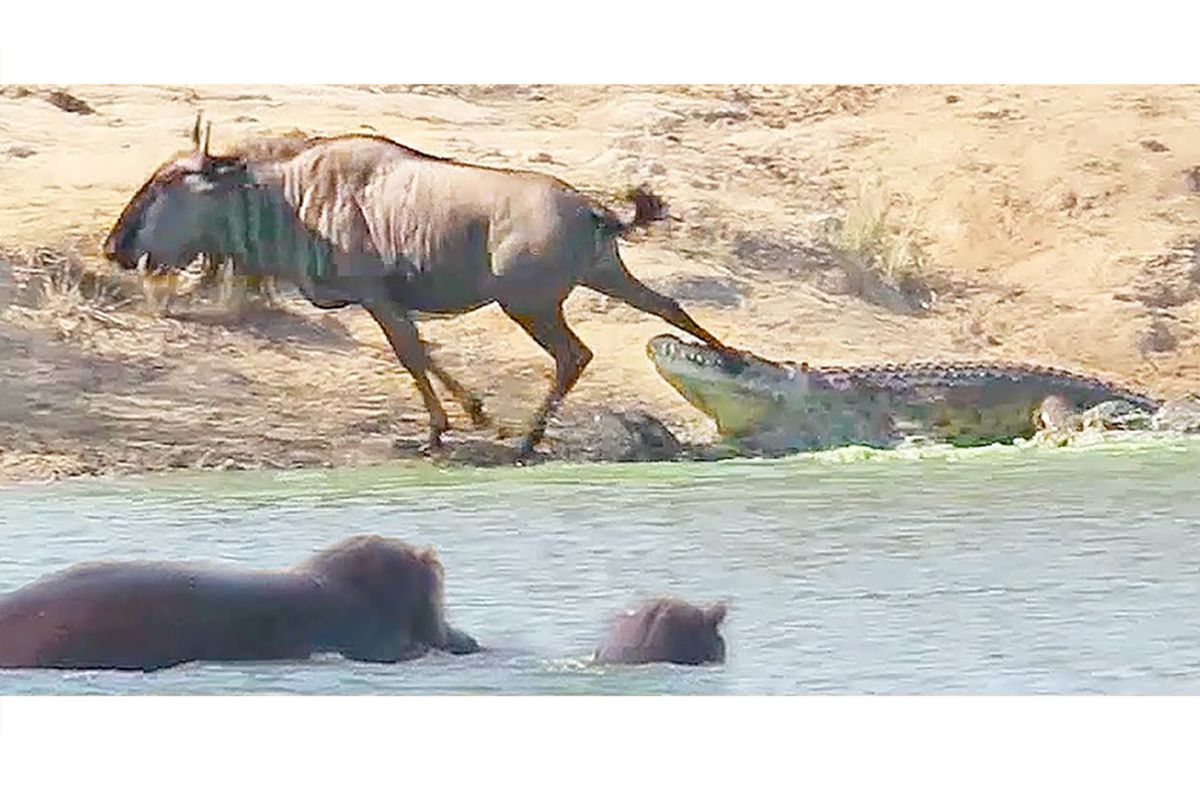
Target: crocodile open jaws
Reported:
[(764, 406)]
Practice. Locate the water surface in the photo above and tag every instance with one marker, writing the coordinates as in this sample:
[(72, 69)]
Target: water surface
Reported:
[(1001, 569)]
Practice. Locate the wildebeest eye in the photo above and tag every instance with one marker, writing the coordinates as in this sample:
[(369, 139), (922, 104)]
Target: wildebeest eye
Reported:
[(225, 174)]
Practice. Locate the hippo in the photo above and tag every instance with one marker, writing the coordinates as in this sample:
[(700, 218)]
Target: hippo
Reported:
[(368, 598), (665, 630)]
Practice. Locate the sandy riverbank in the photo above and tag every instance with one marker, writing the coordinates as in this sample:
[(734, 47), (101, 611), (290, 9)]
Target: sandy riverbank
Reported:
[(1056, 225)]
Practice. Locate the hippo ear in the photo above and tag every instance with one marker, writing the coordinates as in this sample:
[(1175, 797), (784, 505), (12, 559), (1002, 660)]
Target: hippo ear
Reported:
[(714, 615), (430, 558)]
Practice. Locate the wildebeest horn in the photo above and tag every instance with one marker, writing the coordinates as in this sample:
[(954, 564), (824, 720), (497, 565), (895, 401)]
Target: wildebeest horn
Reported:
[(207, 136), (196, 132)]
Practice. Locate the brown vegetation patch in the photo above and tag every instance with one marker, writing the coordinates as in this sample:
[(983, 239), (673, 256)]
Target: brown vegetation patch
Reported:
[(68, 102), (832, 270), (1169, 279)]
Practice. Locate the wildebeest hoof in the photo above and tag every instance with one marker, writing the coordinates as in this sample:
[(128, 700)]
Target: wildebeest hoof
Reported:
[(433, 444), (479, 417), (526, 454)]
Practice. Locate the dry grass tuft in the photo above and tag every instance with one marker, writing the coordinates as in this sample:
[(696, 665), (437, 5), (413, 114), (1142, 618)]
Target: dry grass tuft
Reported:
[(72, 296), (891, 249)]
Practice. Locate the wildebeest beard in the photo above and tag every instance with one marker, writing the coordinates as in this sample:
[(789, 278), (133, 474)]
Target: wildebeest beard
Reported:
[(261, 234)]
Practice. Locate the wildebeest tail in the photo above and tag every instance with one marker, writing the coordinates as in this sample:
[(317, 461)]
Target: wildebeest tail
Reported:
[(648, 207)]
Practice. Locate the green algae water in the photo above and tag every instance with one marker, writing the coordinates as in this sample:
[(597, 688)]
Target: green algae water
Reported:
[(927, 570)]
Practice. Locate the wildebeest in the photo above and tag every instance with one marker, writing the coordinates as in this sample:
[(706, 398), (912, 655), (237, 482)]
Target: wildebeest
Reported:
[(368, 598), (360, 219), (665, 630)]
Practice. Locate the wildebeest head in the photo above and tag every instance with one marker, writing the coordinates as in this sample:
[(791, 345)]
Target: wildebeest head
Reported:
[(171, 219)]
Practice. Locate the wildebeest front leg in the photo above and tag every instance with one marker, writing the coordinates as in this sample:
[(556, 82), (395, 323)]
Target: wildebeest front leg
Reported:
[(406, 342), (549, 329)]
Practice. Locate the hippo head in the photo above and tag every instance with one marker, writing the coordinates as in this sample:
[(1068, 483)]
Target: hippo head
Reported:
[(401, 588), (666, 630)]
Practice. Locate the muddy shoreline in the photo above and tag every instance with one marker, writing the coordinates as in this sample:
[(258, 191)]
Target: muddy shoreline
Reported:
[(97, 379), (463, 453)]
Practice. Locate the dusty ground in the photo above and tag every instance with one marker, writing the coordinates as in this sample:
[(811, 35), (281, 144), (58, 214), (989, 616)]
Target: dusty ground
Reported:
[(1056, 225)]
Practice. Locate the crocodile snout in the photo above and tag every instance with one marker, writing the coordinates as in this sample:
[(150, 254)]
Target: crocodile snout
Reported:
[(666, 349)]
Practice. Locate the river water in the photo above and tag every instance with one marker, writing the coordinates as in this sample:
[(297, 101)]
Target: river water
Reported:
[(989, 570)]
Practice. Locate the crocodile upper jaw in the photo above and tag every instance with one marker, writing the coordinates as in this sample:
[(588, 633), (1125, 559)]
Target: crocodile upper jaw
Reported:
[(739, 391)]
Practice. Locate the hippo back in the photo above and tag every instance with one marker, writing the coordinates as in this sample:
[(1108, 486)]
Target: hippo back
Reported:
[(147, 615)]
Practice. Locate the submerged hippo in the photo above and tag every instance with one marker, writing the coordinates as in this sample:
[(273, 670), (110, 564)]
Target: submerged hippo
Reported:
[(665, 630), (367, 598)]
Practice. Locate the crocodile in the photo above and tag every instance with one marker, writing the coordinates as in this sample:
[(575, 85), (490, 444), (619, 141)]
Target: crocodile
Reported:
[(766, 406)]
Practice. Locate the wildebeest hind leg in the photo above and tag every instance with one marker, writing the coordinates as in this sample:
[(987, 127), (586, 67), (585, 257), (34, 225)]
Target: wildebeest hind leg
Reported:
[(549, 329), (406, 342), (471, 404), (619, 283)]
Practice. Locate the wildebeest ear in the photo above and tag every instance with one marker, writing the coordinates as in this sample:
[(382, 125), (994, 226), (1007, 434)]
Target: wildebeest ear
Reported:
[(714, 615)]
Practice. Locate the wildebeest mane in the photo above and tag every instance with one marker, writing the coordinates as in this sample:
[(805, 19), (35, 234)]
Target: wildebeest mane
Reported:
[(291, 144)]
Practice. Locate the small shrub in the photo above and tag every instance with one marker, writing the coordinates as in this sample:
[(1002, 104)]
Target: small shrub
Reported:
[(880, 245)]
